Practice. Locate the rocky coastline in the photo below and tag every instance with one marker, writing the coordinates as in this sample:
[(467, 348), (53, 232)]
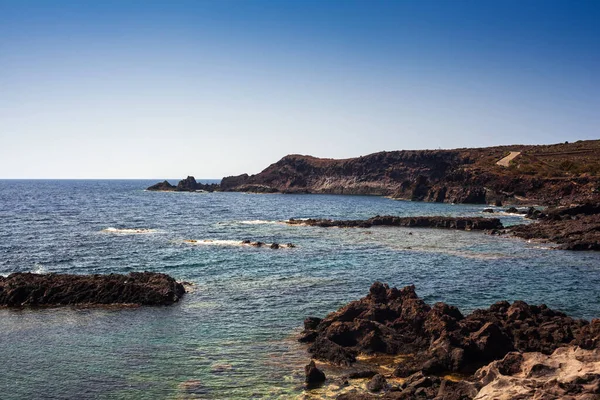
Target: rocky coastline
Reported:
[(548, 175), (136, 288), (508, 351), (460, 223), (572, 228)]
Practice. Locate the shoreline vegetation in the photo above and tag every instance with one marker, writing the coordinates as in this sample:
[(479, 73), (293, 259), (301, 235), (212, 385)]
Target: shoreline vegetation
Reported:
[(508, 351)]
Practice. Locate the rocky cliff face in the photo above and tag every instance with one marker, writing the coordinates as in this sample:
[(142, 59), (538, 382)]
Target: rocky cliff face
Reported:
[(554, 174)]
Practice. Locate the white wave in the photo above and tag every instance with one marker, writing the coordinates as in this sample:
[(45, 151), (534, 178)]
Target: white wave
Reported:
[(519, 214), (129, 231), (259, 222), (213, 242), (39, 269), (238, 243)]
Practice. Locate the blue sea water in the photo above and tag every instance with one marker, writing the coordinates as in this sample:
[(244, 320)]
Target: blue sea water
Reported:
[(233, 336)]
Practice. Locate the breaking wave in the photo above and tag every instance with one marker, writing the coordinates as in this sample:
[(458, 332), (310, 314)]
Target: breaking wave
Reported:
[(238, 243), (129, 231)]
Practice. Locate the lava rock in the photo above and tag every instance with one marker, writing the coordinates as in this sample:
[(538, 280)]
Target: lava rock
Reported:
[(314, 375), (141, 288)]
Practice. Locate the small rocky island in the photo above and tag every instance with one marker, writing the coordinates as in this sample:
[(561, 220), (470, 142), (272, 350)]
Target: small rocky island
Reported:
[(188, 184), (508, 351), (136, 288)]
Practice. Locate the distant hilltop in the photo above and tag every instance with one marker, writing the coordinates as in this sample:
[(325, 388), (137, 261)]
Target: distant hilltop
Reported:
[(519, 174)]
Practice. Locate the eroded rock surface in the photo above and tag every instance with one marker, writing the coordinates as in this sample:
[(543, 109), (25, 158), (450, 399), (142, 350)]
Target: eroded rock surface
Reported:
[(508, 351), (569, 373), (440, 338)]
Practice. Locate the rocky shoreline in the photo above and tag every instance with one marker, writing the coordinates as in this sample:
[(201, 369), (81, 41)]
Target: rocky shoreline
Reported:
[(136, 288), (508, 351), (460, 223), (572, 228)]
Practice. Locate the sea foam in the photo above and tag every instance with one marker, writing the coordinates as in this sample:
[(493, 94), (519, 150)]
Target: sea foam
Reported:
[(129, 231)]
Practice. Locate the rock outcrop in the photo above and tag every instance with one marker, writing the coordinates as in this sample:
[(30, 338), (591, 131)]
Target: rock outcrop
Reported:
[(439, 338), (163, 186), (549, 175), (313, 375), (139, 288), (529, 350), (573, 228), (460, 223), (188, 184)]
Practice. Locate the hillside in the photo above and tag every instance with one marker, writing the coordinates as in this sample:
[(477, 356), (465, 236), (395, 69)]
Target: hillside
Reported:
[(543, 174)]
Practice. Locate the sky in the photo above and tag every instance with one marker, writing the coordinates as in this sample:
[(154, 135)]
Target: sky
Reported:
[(166, 89)]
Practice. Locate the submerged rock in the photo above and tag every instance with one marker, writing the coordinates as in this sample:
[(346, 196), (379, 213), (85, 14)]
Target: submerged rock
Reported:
[(140, 288)]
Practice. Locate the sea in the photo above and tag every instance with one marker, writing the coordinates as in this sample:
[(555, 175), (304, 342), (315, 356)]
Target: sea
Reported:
[(234, 334)]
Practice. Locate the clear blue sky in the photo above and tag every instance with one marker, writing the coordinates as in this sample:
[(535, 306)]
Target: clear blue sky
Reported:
[(151, 89)]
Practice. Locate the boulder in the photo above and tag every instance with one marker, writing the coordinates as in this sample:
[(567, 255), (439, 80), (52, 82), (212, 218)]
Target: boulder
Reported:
[(377, 383), (314, 375)]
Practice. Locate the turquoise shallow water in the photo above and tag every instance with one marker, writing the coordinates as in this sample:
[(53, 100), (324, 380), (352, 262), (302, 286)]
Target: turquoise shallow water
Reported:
[(233, 336)]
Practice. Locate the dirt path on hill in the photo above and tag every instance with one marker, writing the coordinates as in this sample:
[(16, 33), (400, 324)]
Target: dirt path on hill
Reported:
[(504, 162)]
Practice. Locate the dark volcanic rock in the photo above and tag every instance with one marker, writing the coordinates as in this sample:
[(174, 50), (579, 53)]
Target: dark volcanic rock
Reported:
[(573, 228), (162, 186), (142, 288), (440, 339), (313, 374), (461, 223), (377, 383), (188, 184)]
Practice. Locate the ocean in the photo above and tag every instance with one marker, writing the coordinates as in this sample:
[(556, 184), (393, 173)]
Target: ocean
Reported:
[(233, 336)]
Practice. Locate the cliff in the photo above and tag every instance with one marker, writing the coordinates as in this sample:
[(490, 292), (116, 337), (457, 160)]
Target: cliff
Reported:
[(545, 174)]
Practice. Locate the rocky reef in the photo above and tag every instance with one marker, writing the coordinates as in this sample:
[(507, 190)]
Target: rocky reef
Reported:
[(573, 228), (137, 288), (188, 184), (460, 223), (548, 175), (438, 340)]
